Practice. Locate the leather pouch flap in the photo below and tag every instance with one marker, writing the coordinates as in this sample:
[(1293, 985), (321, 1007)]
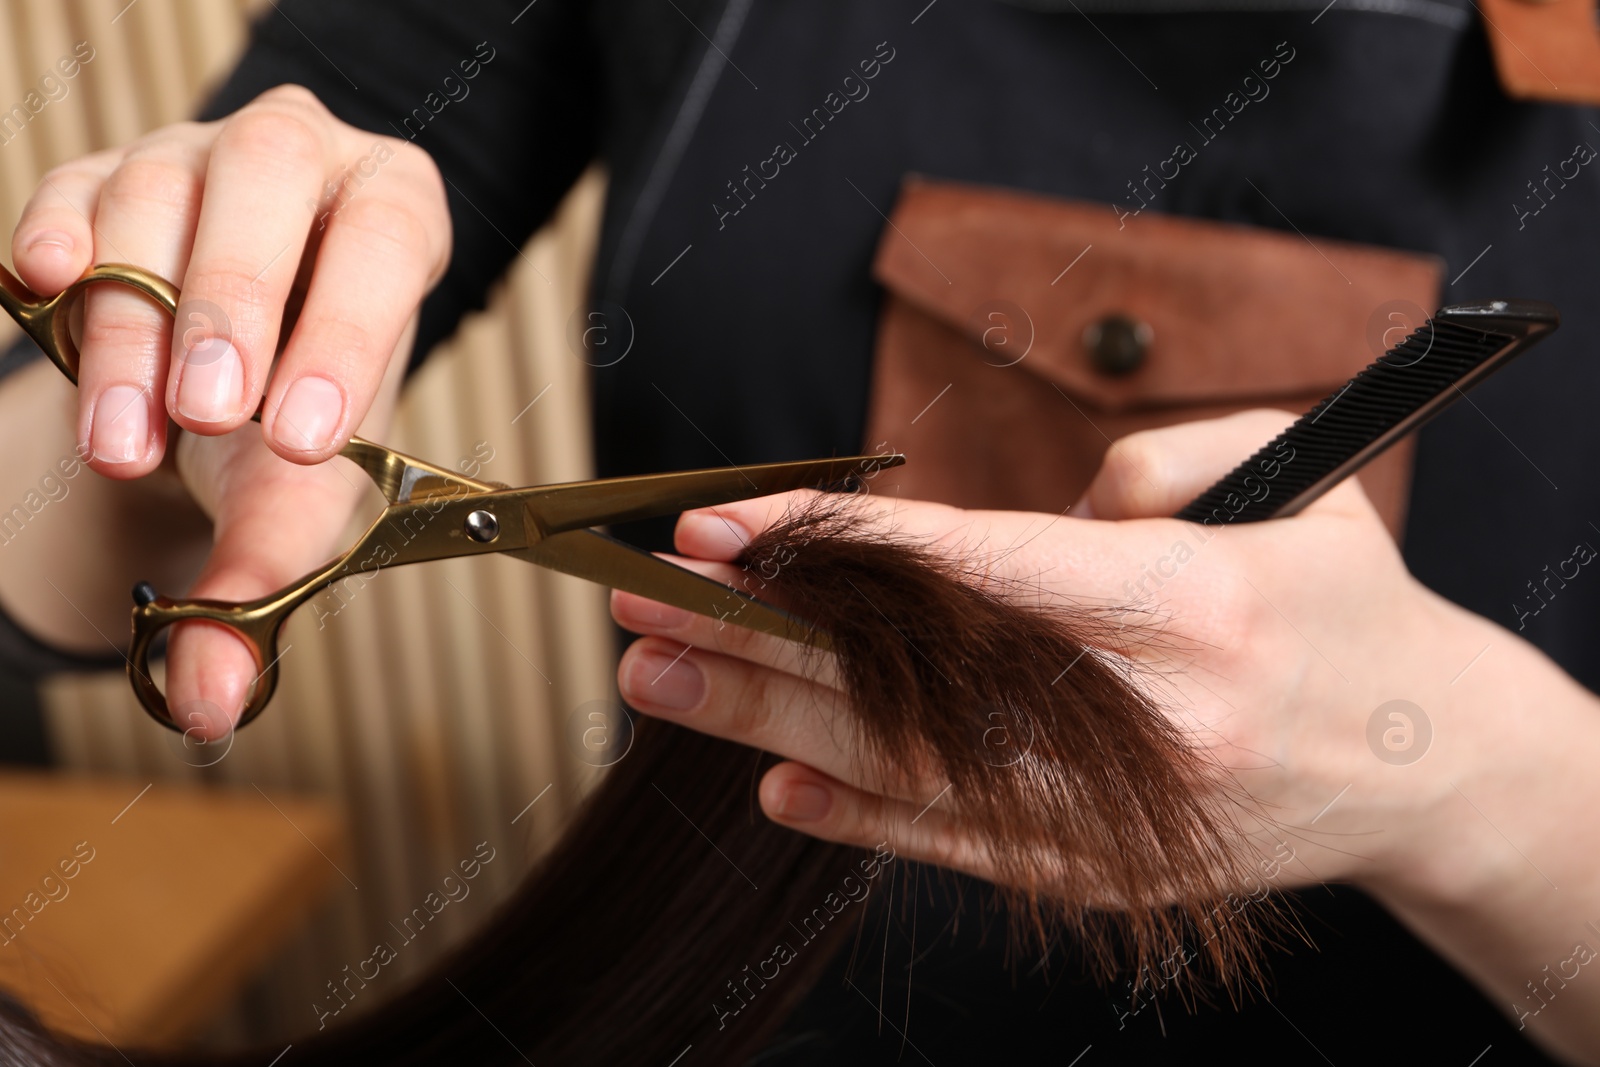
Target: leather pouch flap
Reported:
[(1545, 49), (1226, 306)]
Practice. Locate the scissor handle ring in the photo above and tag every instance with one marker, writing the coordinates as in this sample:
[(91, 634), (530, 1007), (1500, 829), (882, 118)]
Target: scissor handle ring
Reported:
[(256, 623), (50, 327)]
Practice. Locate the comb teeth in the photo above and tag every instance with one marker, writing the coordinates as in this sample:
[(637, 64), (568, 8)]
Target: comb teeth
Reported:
[(1412, 382)]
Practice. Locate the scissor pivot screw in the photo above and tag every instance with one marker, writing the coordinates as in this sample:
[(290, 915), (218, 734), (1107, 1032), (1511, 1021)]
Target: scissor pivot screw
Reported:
[(482, 526)]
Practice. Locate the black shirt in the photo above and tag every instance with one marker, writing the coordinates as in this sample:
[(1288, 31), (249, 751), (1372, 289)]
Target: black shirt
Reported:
[(752, 334)]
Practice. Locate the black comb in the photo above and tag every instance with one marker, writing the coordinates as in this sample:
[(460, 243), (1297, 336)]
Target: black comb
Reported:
[(1410, 384)]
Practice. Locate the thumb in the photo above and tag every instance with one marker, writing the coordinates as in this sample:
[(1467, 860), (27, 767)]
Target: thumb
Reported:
[(274, 521), (1154, 473)]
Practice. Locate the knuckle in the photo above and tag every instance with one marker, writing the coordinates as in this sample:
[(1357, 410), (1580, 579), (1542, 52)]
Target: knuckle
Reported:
[(149, 181), (226, 295), (749, 709), (124, 331), (728, 636), (340, 337), (1138, 453), (292, 95), (385, 226), (62, 174), (188, 130), (857, 819), (412, 159), (1238, 614), (422, 173), (279, 137), (92, 167), (175, 140), (1122, 473)]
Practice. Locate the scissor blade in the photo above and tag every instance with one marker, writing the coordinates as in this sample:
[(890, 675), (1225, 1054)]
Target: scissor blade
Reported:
[(577, 505), (599, 558)]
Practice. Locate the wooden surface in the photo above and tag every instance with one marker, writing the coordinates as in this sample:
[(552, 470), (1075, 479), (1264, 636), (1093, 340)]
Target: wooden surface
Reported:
[(185, 893)]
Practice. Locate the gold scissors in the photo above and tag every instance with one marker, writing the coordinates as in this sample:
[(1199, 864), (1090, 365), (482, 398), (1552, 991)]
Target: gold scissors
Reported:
[(435, 513)]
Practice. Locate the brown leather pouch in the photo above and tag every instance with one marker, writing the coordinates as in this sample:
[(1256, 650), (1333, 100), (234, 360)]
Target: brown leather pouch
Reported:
[(1021, 335)]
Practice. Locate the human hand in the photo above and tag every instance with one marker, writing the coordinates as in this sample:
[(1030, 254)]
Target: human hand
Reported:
[(1271, 645), (302, 247)]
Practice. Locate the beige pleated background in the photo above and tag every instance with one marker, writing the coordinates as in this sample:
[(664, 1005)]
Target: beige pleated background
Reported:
[(438, 703)]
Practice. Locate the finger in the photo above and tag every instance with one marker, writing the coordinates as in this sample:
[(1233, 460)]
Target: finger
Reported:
[(724, 532), (752, 705), (287, 522), (145, 216), (53, 243), (818, 804), (1154, 473), (274, 521), (1089, 561), (384, 247), (1097, 567), (267, 162), (723, 634)]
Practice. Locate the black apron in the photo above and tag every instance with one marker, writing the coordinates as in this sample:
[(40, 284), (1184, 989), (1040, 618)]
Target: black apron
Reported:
[(750, 310)]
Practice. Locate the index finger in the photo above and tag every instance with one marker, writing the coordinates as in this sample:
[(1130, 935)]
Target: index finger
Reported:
[(725, 531), (267, 161)]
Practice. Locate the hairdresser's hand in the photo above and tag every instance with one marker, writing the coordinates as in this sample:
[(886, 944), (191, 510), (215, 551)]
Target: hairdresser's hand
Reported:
[(1276, 644), (1272, 644), (302, 247)]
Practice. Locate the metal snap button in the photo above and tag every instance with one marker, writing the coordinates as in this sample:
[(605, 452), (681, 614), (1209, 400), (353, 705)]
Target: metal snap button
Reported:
[(1117, 344)]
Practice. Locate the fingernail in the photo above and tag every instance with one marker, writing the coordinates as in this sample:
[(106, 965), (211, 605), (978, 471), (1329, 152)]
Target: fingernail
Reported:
[(51, 239), (659, 680), (641, 614), (309, 415), (805, 802), (712, 532), (211, 386), (120, 432)]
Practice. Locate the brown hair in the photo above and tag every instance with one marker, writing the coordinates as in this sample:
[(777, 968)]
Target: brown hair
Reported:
[(633, 938)]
